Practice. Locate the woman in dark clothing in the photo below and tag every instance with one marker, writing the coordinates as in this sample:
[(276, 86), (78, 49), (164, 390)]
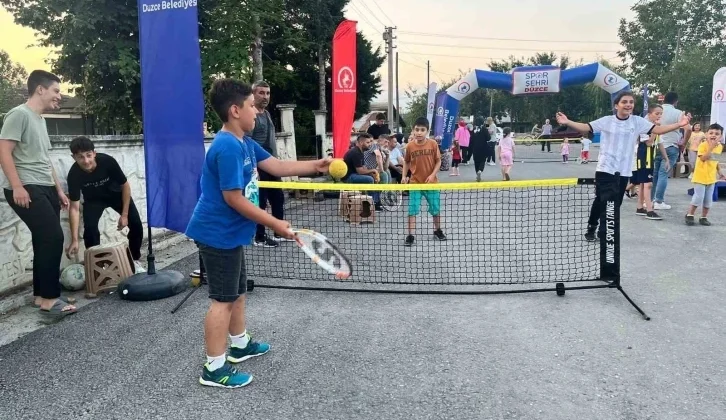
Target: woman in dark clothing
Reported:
[(479, 147)]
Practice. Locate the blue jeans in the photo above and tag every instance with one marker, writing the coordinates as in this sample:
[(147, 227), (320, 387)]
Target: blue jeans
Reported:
[(364, 179), (660, 175)]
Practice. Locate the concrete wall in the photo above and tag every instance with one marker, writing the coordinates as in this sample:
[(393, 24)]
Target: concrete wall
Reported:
[(16, 254)]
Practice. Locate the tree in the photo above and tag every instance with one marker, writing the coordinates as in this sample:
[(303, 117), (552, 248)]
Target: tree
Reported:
[(664, 35), (97, 46), (12, 83)]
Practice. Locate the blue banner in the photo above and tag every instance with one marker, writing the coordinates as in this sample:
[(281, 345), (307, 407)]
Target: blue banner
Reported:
[(440, 103), (173, 110)]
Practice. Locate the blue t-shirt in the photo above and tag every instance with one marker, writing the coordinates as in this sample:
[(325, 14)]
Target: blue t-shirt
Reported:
[(230, 164)]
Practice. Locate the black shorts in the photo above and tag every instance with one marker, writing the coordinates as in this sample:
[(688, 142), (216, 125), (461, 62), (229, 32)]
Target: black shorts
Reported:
[(642, 176), (455, 162), (225, 272)]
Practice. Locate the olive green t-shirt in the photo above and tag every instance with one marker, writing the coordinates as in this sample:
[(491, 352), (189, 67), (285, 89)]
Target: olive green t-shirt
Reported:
[(30, 154)]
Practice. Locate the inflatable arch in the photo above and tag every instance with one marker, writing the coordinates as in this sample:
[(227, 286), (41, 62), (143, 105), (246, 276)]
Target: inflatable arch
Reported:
[(535, 80)]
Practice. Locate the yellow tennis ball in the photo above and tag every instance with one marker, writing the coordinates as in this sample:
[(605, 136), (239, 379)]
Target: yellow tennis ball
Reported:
[(338, 168)]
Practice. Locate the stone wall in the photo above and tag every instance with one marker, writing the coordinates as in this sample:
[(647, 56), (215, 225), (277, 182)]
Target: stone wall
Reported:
[(16, 254)]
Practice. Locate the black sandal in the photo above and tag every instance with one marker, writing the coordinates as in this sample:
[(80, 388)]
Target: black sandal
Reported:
[(56, 312)]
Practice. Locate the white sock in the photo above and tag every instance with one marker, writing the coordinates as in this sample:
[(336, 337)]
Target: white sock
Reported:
[(240, 340), (214, 363)]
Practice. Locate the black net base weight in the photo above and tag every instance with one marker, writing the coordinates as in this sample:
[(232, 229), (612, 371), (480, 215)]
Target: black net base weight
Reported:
[(492, 233)]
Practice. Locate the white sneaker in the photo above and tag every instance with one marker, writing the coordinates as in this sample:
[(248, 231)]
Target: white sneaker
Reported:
[(478, 176), (138, 268), (661, 206), (492, 164)]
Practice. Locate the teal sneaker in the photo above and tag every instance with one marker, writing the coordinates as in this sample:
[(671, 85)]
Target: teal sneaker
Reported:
[(225, 377), (253, 349)]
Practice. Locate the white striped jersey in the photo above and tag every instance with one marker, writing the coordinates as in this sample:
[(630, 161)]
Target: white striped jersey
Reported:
[(617, 142)]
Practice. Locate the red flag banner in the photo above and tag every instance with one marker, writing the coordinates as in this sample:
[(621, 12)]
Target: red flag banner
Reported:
[(344, 85)]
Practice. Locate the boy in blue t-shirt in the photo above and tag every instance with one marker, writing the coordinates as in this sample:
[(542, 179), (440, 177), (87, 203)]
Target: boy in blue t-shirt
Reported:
[(225, 220)]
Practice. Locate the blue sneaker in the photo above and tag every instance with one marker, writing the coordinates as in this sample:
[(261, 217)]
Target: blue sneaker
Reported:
[(225, 377), (253, 349)]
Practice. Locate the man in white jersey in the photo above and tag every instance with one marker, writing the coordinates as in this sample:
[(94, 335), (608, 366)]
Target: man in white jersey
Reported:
[(669, 141), (619, 134)]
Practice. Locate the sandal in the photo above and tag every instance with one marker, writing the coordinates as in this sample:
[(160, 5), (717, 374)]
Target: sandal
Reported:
[(56, 312), (68, 300)]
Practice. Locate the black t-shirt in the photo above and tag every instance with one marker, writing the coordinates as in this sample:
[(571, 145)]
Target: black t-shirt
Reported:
[(102, 184), (376, 130), (354, 159)]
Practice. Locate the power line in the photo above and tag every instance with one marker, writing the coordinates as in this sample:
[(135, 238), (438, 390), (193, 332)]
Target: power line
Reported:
[(424, 68), (474, 47), (455, 56), (363, 16), (384, 13), (372, 14), (504, 39)]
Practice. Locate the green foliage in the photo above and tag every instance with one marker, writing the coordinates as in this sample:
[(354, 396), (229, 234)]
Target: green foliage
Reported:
[(97, 49), (691, 30), (12, 83)]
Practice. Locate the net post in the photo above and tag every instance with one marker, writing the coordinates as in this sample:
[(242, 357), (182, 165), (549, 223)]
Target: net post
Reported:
[(609, 231)]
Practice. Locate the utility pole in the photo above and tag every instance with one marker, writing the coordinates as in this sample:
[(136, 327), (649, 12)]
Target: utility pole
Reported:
[(428, 73), (675, 59), (398, 109), (389, 37)]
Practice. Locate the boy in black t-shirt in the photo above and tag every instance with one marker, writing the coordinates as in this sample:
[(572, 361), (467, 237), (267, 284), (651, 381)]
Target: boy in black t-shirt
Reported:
[(103, 184)]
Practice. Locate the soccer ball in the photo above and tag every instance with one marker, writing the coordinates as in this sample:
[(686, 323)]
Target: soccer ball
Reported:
[(73, 277), (338, 168)]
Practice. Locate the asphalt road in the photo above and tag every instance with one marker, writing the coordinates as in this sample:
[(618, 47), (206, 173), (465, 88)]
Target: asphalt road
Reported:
[(335, 355)]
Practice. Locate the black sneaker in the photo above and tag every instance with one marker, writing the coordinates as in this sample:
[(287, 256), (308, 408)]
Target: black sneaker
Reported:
[(409, 240), (590, 234), (378, 207), (651, 215), (277, 238), (642, 212), (704, 221), (266, 242), (439, 234), (690, 220)]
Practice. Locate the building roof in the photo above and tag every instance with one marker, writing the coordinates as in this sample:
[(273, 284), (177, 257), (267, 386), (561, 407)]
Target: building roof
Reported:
[(69, 104)]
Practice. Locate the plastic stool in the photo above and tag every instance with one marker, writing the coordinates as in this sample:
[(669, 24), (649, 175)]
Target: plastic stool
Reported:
[(106, 266)]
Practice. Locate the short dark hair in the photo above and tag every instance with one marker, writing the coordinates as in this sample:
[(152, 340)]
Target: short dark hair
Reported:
[(81, 145), (380, 116), (259, 84), (653, 107), (41, 78), (421, 122), (225, 93), (621, 95), (363, 136), (716, 126), (670, 98)]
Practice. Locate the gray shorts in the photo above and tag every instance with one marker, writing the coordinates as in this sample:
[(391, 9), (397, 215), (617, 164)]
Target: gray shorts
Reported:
[(703, 195), (225, 272)]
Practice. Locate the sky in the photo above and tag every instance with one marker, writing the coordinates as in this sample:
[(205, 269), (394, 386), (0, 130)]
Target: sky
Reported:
[(466, 34)]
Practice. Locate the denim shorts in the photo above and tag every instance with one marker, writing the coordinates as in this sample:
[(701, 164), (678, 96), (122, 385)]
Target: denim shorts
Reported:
[(225, 272)]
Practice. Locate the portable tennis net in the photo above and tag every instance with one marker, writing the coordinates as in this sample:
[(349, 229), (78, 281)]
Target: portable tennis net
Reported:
[(500, 237)]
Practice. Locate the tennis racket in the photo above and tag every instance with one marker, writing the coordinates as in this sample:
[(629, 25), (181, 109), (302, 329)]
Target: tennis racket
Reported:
[(316, 246), (391, 200)]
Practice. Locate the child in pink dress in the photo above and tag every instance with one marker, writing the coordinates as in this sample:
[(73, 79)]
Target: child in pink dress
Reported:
[(506, 153), (565, 150)]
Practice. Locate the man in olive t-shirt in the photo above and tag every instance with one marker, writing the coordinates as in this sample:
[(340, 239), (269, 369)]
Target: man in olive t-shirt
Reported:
[(32, 190)]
